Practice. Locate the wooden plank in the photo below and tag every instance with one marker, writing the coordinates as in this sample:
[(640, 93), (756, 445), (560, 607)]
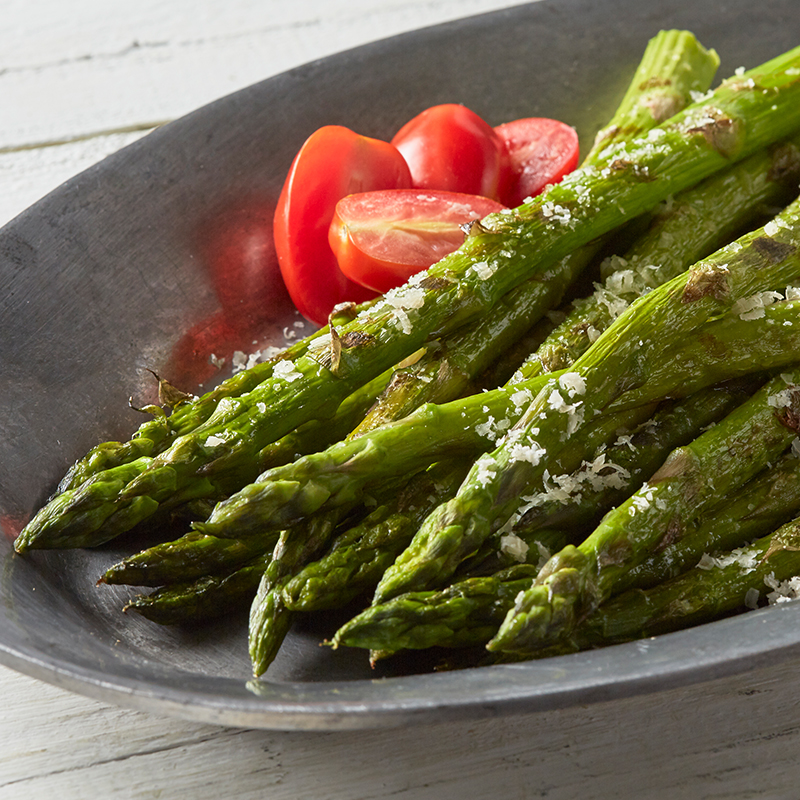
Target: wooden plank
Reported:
[(736, 738), (70, 70), (28, 174)]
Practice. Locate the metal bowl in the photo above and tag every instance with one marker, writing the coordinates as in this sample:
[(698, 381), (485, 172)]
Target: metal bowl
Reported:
[(109, 276)]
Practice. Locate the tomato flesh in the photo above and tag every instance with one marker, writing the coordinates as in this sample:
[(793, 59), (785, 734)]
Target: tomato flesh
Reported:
[(541, 151), (333, 162), (451, 148), (382, 238)]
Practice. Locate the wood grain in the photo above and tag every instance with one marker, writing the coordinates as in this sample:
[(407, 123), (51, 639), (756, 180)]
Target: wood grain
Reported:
[(736, 738)]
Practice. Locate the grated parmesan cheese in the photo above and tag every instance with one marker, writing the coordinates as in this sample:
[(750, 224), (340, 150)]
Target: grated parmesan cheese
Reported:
[(483, 269), (752, 307), (746, 558), (513, 546), (286, 370), (782, 591), (486, 470)]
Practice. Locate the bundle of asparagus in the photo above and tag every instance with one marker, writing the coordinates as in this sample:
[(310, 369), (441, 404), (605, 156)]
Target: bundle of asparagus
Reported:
[(448, 502)]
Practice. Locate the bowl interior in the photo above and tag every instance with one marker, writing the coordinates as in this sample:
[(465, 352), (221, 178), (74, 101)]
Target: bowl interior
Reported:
[(116, 273)]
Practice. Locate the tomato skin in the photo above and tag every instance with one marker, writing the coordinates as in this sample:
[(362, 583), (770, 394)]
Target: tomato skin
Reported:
[(451, 148), (540, 152), (382, 238), (333, 162)]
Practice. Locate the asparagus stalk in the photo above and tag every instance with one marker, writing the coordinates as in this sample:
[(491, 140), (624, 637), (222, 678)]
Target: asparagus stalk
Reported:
[(632, 363), (767, 502), (744, 115), (270, 619), (660, 88), (692, 226), (463, 613), (207, 597), (155, 435), (193, 556), (715, 587), (574, 503), (339, 475), (615, 471), (577, 579), (359, 556)]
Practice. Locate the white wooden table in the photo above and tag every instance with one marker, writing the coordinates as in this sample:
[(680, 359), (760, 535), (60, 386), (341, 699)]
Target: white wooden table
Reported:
[(79, 80)]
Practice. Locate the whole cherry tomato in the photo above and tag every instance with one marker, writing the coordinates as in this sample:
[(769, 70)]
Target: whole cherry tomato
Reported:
[(382, 238), (451, 148), (333, 162), (540, 151)]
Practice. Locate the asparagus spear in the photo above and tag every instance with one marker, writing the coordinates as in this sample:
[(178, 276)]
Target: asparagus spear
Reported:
[(674, 66), (692, 226), (661, 87), (339, 475), (579, 500), (744, 115), (464, 614), (205, 598), (270, 619), (577, 579), (716, 586), (193, 556), (155, 435), (768, 501), (359, 556), (575, 503), (630, 364)]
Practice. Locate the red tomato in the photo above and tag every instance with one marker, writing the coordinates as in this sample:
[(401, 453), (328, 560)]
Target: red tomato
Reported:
[(383, 238), (540, 151), (333, 162), (450, 147)]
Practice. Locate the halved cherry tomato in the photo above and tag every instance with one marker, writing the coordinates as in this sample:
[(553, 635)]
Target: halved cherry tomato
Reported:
[(540, 151), (382, 238), (333, 162), (450, 147)]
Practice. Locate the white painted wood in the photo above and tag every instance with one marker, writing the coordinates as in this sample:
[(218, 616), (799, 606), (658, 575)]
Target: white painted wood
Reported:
[(27, 175), (83, 66), (734, 738)]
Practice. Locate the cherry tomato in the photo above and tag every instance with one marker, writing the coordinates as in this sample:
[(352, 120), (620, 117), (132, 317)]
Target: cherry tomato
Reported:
[(540, 151), (333, 162), (382, 238), (450, 147)]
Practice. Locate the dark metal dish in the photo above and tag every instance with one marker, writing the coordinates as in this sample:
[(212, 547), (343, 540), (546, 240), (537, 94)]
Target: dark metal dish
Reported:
[(103, 279)]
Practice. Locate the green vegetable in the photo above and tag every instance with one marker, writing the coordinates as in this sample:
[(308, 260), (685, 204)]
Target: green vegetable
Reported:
[(359, 556), (578, 579), (208, 597), (744, 115), (715, 587), (631, 364), (464, 614)]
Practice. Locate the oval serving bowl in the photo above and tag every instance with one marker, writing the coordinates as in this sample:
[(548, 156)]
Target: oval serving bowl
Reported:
[(107, 277)]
